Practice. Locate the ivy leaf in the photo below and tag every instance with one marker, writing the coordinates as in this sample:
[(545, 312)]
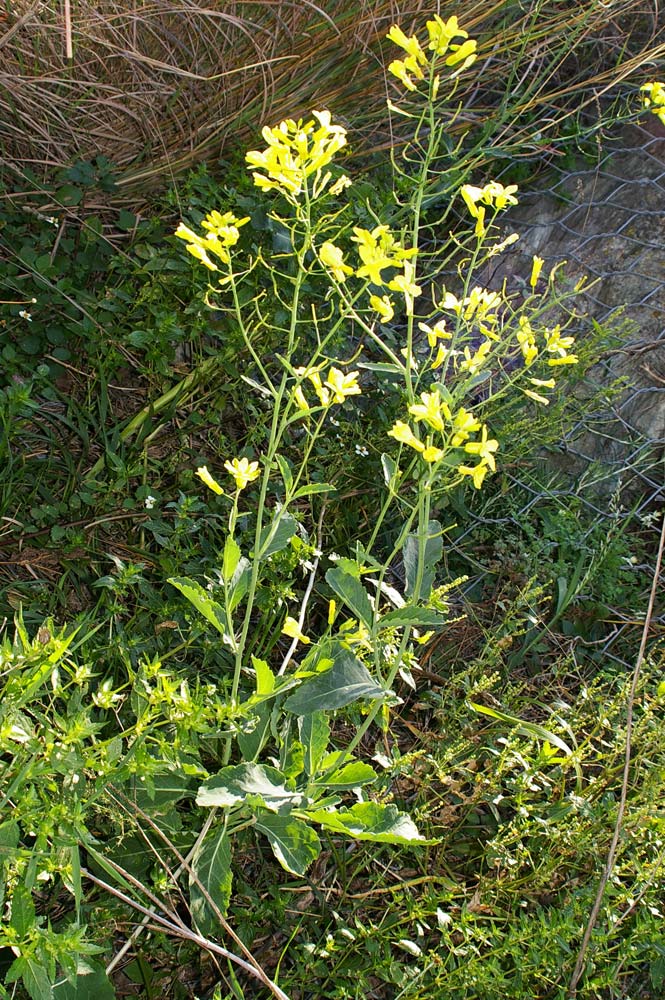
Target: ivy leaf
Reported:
[(346, 681), (294, 843), (383, 824), (248, 781), (212, 867)]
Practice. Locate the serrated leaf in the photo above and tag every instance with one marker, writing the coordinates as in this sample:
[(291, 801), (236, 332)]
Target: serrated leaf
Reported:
[(294, 843), (211, 865), (201, 600), (238, 783), (348, 680), (416, 617), (314, 732), (231, 558), (277, 535), (35, 979), (351, 591), (432, 557), (383, 824)]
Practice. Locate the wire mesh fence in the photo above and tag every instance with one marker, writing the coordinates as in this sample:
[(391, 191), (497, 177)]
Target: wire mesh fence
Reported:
[(606, 220)]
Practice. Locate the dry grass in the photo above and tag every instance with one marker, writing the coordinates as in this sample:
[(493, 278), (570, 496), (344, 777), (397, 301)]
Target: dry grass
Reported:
[(159, 85)]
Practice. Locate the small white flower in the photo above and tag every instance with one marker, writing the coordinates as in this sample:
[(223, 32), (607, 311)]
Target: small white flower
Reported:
[(24, 314), (149, 502), (361, 450)]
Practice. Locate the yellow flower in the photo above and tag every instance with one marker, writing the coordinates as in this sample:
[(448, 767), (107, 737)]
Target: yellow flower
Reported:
[(546, 383), (398, 68), (378, 250), (432, 410), (653, 99), (464, 424), (556, 344), (300, 400), (493, 194), (340, 184), (342, 385), (243, 471), (199, 252), (403, 433), (436, 332), (473, 363), (383, 306), (409, 43), (292, 629), (295, 152), (527, 341), (405, 284), (535, 271), (333, 258), (477, 473), (536, 395), (224, 227), (464, 54), (432, 454), (204, 476), (478, 307), (441, 33), (484, 448)]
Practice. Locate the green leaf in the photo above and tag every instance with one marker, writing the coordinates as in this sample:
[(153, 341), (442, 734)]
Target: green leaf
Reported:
[(423, 617), (238, 783), (294, 843), (91, 985), (432, 556), (312, 488), (314, 732), (265, 678), (346, 681), (390, 469), (212, 867), (230, 559), (530, 729), (355, 774), (34, 975), (239, 583), (251, 743), (383, 824), (285, 469), (201, 600), (351, 591), (23, 911), (277, 535)]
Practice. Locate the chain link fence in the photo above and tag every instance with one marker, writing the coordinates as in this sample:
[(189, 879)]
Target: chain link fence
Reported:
[(606, 220)]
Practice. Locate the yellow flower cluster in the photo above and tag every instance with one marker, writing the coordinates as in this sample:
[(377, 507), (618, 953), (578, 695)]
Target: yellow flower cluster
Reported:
[(450, 430), (296, 152), (378, 251), (492, 195), (335, 389), (653, 99), (457, 55), (222, 233)]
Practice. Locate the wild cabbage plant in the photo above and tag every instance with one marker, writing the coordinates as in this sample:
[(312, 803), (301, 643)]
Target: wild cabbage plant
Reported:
[(459, 353)]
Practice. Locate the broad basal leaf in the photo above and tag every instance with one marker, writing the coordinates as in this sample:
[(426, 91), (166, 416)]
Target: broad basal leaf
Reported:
[(294, 843), (384, 824), (314, 732), (237, 784), (211, 866)]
